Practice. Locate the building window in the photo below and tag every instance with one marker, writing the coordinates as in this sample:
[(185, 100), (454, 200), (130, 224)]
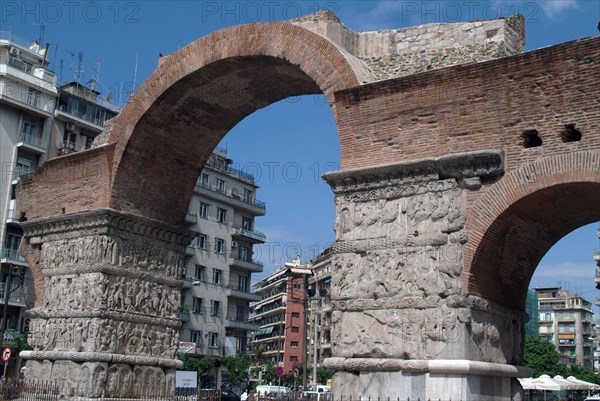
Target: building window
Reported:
[(213, 340), (29, 131), (295, 315), (247, 223), (295, 329), (89, 141), (240, 313), (23, 166), (221, 215), (214, 308), (248, 196), (220, 185), (205, 180), (197, 305), (217, 276), (201, 241), (219, 245), (294, 344), (243, 283), (33, 97), (200, 273), (196, 337), (204, 207), (69, 140), (244, 253)]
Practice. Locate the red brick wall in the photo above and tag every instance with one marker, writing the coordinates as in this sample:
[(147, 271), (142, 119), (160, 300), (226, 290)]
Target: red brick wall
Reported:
[(68, 184), (547, 191), (475, 106)]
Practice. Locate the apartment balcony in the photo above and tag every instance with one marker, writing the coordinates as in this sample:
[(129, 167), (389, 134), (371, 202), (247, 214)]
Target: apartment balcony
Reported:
[(12, 256), (239, 322), (191, 218), (249, 265), (84, 119), (32, 144), (190, 250), (254, 237), (11, 216), (247, 204), (27, 98), (243, 293), (185, 316), (17, 298)]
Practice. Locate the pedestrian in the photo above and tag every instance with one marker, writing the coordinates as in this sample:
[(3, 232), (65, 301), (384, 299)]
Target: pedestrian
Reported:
[(244, 396)]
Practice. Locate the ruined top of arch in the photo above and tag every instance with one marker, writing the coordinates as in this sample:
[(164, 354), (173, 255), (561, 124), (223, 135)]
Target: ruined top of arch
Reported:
[(394, 53)]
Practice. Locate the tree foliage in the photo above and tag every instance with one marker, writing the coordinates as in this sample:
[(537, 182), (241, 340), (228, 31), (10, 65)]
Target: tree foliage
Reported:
[(201, 364), (324, 374), (541, 355), (237, 367)]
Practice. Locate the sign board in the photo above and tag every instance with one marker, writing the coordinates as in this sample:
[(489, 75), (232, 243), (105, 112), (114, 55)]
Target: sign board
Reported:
[(187, 347), (6, 351), (279, 371), (186, 379)]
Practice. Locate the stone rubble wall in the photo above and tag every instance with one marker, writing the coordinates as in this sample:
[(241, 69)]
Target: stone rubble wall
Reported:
[(405, 51)]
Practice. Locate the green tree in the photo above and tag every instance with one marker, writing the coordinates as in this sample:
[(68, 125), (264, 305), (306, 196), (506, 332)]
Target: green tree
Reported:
[(269, 373), (324, 374), (583, 373), (237, 367), (201, 364), (541, 355)]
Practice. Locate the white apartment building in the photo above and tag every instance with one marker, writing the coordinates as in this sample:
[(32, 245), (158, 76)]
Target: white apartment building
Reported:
[(27, 100), (217, 293)]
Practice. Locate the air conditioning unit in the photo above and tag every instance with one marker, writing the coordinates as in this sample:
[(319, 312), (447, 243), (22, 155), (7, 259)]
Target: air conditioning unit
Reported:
[(14, 51), (70, 126)]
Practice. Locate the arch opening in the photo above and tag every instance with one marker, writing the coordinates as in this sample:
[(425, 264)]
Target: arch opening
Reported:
[(513, 245), (172, 141)]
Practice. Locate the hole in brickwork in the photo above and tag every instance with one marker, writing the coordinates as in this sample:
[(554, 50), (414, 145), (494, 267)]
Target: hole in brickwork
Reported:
[(531, 138), (570, 134)]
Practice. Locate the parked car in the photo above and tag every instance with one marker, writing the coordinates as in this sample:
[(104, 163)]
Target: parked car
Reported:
[(217, 395), (316, 395)]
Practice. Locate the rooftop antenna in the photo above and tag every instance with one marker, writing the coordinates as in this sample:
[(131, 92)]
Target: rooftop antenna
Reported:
[(94, 80), (79, 66), (42, 29), (55, 53)]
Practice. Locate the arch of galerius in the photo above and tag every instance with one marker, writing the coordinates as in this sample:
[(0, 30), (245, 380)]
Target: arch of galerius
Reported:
[(445, 203)]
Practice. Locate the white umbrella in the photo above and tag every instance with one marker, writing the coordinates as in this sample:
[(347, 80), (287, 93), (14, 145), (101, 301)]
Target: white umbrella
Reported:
[(545, 382), (586, 385), (569, 384)]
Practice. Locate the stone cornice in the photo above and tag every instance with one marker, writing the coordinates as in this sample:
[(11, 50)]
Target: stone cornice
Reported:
[(466, 168), (103, 313), (437, 366), (100, 357), (102, 221)]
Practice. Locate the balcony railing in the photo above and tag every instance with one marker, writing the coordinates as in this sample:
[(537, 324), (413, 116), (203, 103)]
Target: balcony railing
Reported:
[(249, 234), (26, 96), (226, 168), (12, 254), (32, 139), (18, 295), (230, 194), (247, 264)]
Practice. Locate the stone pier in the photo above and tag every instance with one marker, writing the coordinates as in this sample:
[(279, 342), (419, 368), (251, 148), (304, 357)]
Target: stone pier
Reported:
[(108, 321), (402, 326)]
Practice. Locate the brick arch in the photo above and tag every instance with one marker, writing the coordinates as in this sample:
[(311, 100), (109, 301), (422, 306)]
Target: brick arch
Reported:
[(166, 132), (521, 217)]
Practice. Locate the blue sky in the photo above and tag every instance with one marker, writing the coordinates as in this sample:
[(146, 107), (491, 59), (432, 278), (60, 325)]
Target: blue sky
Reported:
[(287, 145)]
